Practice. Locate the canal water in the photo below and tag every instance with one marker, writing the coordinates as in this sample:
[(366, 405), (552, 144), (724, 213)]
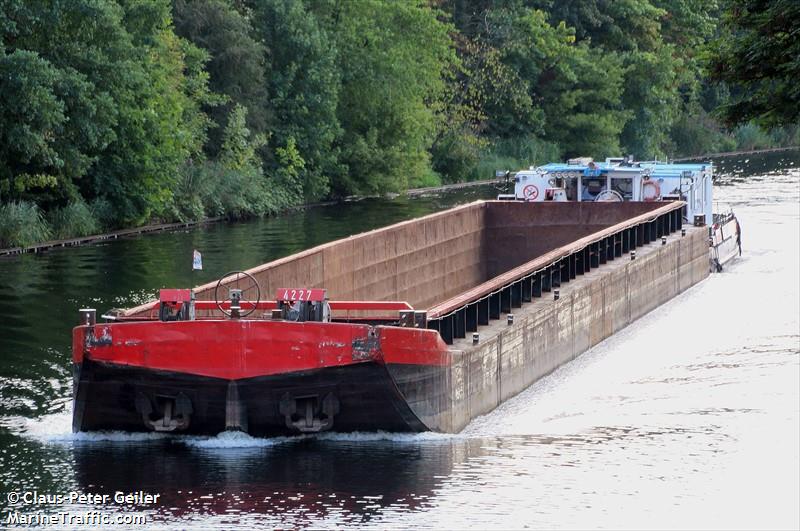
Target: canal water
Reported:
[(689, 418)]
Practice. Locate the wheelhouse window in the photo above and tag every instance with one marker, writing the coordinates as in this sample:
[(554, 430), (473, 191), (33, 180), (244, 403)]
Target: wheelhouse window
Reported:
[(623, 186)]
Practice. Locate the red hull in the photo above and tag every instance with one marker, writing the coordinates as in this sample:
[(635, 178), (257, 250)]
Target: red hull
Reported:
[(264, 377)]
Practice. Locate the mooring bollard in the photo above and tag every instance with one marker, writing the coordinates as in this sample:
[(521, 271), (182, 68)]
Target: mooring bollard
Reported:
[(88, 316), (683, 232), (475, 338), (556, 294), (510, 318), (663, 240), (633, 255)]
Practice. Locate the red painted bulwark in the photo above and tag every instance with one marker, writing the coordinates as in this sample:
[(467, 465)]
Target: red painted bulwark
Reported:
[(235, 349), (175, 295), (77, 344), (415, 346), (335, 305)]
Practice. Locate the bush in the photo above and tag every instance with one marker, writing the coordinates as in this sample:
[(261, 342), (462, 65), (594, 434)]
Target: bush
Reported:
[(695, 135), (211, 189), (22, 224), (751, 136), (460, 156), (104, 213), (427, 180), (514, 154), (455, 155), (529, 150), (787, 136), (73, 220)]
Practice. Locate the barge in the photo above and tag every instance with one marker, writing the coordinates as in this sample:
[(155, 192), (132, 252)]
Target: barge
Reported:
[(422, 325)]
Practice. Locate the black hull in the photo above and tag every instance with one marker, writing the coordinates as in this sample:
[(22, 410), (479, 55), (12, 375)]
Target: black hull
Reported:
[(367, 396), (426, 391)]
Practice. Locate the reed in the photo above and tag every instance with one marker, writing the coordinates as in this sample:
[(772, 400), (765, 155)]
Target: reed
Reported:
[(22, 224)]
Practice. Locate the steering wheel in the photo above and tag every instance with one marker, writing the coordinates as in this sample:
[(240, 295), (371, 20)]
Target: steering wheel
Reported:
[(253, 282), (608, 196)]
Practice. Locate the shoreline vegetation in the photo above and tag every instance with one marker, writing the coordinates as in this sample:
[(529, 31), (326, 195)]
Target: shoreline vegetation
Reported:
[(412, 192), (118, 114)]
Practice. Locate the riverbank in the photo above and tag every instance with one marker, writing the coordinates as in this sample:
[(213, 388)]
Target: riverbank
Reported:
[(736, 153), (414, 192), (72, 242), (160, 227)]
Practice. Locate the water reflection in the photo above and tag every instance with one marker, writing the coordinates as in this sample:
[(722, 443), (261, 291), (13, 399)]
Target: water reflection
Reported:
[(296, 480)]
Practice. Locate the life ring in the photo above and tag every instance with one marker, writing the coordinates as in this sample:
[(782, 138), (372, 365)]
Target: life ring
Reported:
[(530, 192), (656, 190)]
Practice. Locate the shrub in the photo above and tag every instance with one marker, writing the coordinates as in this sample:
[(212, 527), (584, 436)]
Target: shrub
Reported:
[(104, 213), (695, 135), (751, 136), (455, 155), (427, 180), (211, 189), (22, 224), (73, 220), (514, 154)]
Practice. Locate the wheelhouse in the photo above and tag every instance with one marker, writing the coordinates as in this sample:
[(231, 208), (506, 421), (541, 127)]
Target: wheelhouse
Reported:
[(619, 179)]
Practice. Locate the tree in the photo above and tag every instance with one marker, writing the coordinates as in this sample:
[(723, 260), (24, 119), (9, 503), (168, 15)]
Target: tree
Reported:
[(652, 97), (618, 25), (393, 85), (158, 91), (55, 122), (549, 84), (117, 99), (302, 93), (30, 112), (236, 64), (658, 76), (758, 56), (582, 102)]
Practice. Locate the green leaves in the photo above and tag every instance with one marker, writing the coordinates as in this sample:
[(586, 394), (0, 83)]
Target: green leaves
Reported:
[(139, 110), (233, 63), (393, 84), (302, 87), (102, 96), (31, 114), (758, 56)]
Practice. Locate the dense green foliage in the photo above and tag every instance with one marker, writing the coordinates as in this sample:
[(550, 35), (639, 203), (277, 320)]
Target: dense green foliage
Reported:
[(758, 55), (120, 112)]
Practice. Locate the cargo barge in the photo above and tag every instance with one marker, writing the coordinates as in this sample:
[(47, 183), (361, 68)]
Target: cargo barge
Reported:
[(422, 325)]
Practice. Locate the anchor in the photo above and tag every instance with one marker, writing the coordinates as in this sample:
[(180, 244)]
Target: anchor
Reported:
[(307, 415), (177, 412)]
